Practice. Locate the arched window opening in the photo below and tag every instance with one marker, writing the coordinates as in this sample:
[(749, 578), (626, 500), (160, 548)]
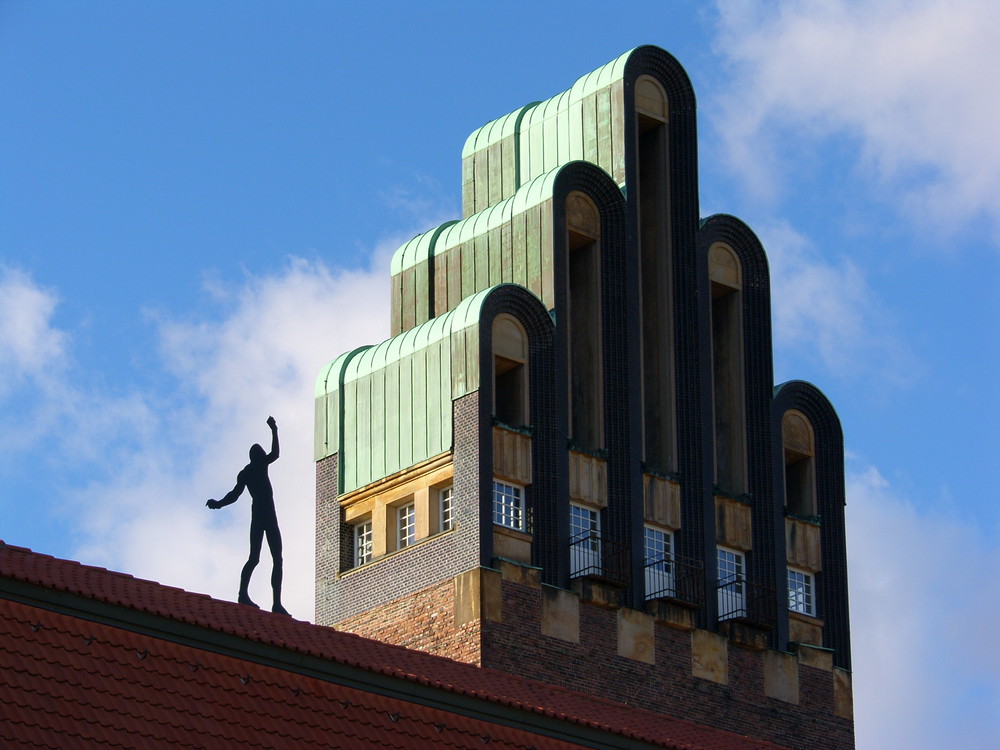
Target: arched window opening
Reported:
[(798, 442), (655, 274), (584, 318), (510, 371), (725, 276)]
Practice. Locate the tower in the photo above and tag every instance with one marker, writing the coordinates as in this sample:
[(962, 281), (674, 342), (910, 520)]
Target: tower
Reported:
[(569, 461)]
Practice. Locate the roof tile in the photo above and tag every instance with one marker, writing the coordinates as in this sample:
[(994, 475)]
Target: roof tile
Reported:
[(97, 683)]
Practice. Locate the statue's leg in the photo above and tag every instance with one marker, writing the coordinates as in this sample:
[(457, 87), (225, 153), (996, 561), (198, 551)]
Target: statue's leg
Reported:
[(256, 539), (274, 544)]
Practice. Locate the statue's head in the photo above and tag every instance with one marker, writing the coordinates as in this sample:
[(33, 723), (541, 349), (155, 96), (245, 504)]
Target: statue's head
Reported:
[(257, 453)]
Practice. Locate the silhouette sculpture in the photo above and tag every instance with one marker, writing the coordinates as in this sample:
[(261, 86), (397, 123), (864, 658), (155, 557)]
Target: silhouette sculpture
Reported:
[(263, 520)]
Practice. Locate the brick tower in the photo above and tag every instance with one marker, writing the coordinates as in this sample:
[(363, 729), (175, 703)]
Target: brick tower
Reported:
[(570, 461)]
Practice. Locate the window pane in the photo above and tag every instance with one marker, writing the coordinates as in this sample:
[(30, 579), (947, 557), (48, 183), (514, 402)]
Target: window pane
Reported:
[(732, 600), (800, 592), (508, 509), (407, 526), (585, 541), (447, 517), (362, 543), (659, 566)]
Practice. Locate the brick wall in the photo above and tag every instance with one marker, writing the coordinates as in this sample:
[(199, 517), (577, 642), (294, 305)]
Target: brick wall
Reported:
[(342, 593), (425, 621), (516, 645)]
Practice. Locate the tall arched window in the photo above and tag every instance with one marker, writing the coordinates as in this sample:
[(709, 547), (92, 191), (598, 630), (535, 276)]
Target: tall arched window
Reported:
[(725, 275), (583, 244), (510, 371), (652, 168), (798, 442)]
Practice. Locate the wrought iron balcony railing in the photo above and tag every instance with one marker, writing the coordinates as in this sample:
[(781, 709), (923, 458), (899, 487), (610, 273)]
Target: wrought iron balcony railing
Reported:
[(675, 577), (590, 555), (746, 600)]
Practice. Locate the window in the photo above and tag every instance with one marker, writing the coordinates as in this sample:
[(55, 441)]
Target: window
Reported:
[(406, 526), (727, 368), (659, 564), (583, 266), (732, 586), (798, 442), (362, 543), (510, 371), (800, 592), (584, 541), (447, 514), (508, 505), (652, 108)]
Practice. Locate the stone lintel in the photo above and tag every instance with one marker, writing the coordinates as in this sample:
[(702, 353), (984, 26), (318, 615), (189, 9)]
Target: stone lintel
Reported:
[(671, 614), (517, 572), (815, 656)]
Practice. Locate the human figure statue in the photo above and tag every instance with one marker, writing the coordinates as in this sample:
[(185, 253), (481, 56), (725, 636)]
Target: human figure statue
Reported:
[(263, 519)]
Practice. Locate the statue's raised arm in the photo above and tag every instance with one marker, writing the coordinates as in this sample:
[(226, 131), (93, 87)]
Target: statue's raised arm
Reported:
[(275, 451)]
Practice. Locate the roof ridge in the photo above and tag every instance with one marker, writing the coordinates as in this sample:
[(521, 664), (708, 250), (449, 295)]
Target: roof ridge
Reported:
[(348, 649)]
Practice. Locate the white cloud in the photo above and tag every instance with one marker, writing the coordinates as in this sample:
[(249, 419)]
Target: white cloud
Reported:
[(925, 597), (30, 346), (261, 358), (826, 311), (911, 81)]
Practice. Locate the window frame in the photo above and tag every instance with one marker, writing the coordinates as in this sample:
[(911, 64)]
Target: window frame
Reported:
[(406, 525), (802, 600), (364, 542), (737, 580), (660, 581), (500, 507), (446, 508), (585, 557)]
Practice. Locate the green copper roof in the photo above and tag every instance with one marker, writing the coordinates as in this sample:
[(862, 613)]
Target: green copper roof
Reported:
[(508, 242), (496, 130), (582, 123), (386, 407), (512, 123), (425, 246)]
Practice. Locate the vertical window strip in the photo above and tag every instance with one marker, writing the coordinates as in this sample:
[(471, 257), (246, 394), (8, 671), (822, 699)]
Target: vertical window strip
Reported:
[(585, 540), (732, 599), (406, 525), (447, 513), (658, 554), (362, 543)]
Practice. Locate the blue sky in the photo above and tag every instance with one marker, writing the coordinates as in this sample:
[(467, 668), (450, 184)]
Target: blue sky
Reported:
[(198, 202)]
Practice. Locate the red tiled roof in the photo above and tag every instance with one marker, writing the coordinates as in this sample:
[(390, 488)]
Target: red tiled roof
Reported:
[(68, 677)]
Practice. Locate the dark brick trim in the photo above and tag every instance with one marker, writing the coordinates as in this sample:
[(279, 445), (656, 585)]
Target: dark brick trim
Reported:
[(831, 583)]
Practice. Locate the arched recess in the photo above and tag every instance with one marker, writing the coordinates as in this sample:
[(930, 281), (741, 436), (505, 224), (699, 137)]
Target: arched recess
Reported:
[(828, 481), (728, 393), (798, 445), (585, 322), (655, 273), (510, 371), (515, 325), (736, 373)]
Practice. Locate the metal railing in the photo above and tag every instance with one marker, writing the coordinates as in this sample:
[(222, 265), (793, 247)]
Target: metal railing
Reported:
[(746, 600), (590, 555), (675, 577)]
